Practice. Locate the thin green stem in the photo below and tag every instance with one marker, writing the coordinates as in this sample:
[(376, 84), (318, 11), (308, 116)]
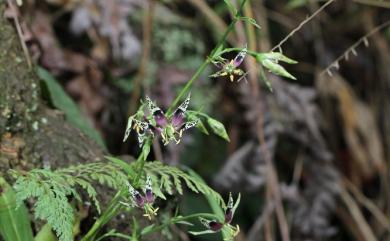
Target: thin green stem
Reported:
[(228, 50), (179, 219), (141, 163), (112, 209), (207, 61)]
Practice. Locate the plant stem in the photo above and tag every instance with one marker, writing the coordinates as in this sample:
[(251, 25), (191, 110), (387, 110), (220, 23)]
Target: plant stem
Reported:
[(141, 163), (228, 50), (178, 219), (207, 61), (112, 209)]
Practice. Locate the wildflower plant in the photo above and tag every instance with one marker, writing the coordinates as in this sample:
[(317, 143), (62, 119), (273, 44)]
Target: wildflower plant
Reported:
[(53, 190)]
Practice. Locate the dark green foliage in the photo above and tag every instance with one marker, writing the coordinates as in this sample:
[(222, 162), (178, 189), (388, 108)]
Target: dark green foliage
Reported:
[(53, 188)]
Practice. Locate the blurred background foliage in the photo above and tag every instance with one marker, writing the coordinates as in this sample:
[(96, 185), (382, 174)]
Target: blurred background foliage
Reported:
[(325, 136)]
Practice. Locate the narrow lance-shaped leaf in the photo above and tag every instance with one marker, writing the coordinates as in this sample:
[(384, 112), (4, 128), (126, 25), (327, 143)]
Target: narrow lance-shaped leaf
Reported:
[(218, 128), (276, 69), (146, 150), (251, 21), (62, 101), (14, 221), (277, 56)]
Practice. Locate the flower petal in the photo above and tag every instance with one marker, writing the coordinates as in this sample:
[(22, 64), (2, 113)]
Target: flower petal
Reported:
[(137, 198), (158, 114), (189, 125), (179, 114), (229, 210), (212, 225), (240, 57), (149, 196)]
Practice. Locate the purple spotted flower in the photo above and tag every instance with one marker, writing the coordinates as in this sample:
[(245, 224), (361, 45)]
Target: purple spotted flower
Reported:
[(140, 200), (230, 68), (170, 127), (212, 225), (216, 226), (149, 196)]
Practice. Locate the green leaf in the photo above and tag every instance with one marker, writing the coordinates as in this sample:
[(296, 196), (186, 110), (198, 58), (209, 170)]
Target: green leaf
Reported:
[(124, 165), (265, 79), (276, 69), (236, 203), (201, 232), (51, 190), (214, 203), (202, 127), (128, 128), (146, 150), (185, 223), (217, 52), (277, 56), (191, 116), (147, 229), (62, 101), (251, 21), (45, 234), (14, 222), (171, 178), (218, 128)]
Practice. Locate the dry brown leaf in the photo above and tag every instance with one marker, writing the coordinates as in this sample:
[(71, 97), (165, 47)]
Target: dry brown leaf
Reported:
[(359, 126)]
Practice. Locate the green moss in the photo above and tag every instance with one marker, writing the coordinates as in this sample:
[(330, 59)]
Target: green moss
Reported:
[(17, 101)]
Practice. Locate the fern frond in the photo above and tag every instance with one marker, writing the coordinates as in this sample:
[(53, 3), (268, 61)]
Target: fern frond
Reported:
[(52, 188), (171, 178)]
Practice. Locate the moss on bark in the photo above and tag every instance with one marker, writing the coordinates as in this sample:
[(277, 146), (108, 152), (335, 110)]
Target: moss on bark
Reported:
[(31, 134)]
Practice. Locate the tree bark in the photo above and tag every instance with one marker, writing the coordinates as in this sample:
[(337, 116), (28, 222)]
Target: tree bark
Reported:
[(32, 135)]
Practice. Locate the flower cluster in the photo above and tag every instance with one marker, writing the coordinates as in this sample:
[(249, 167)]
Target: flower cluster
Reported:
[(169, 127), (140, 201), (230, 68)]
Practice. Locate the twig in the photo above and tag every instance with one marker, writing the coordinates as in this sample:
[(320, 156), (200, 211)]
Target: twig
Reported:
[(352, 48), (20, 33), (381, 4), (367, 203), (273, 182), (301, 25), (357, 215), (272, 176), (147, 33)]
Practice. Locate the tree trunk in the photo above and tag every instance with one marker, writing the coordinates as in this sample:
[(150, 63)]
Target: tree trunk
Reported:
[(31, 134)]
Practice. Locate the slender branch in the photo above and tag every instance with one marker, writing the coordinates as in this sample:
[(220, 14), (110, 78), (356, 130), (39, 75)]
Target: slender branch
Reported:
[(352, 48), (301, 25), (20, 32)]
